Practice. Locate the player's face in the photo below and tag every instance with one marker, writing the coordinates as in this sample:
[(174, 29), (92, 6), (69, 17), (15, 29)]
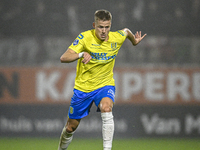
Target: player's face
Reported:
[(102, 29)]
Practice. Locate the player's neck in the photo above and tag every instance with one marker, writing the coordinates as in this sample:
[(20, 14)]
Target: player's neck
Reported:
[(106, 39)]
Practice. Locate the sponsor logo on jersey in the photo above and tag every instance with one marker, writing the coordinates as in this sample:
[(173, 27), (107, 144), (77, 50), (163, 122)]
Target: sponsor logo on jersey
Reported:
[(96, 45), (101, 56), (80, 36), (75, 42)]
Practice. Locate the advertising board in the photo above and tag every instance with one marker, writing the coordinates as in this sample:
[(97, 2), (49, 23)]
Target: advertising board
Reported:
[(133, 85), (131, 121)]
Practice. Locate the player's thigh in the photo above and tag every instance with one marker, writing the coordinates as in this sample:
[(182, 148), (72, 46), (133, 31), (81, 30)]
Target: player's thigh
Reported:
[(106, 104), (72, 124)]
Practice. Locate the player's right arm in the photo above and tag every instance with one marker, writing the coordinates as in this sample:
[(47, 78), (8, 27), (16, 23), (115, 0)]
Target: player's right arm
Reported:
[(70, 56)]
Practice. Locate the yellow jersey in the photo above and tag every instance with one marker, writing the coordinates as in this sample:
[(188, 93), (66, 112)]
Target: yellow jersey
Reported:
[(98, 72)]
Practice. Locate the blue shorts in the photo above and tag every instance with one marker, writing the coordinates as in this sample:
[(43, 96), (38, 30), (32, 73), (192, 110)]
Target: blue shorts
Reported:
[(81, 102)]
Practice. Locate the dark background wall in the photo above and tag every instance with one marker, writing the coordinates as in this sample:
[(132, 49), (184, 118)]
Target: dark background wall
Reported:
[(37, 32), (61, 17)]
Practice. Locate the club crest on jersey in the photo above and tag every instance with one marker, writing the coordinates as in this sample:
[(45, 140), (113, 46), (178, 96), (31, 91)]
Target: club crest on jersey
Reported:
[(75, 42), (114, 45)]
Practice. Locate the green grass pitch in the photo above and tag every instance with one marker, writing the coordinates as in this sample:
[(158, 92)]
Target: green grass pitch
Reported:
[(96, 144)]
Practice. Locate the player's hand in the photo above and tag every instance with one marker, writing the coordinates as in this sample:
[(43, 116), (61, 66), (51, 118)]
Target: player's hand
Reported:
[(86, 58), (138, 37)]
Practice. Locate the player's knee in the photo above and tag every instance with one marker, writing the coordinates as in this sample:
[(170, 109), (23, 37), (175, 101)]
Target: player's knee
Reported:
[(71, 125), (106, 105), (70, 129), (105, 108)]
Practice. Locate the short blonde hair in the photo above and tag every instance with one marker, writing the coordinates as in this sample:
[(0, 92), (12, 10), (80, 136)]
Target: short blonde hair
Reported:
[(102, 15)]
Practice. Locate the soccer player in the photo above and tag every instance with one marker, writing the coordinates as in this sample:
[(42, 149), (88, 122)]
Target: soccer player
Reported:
[(95, 51)]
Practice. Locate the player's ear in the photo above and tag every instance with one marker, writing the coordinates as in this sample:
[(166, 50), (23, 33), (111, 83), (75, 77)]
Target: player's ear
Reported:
[(93, 24)]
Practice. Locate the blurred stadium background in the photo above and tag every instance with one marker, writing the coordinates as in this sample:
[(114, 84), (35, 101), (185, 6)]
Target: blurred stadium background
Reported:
[(158, 81)]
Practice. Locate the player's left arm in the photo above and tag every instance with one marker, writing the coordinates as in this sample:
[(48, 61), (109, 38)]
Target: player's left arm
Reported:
[(134, 38)]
